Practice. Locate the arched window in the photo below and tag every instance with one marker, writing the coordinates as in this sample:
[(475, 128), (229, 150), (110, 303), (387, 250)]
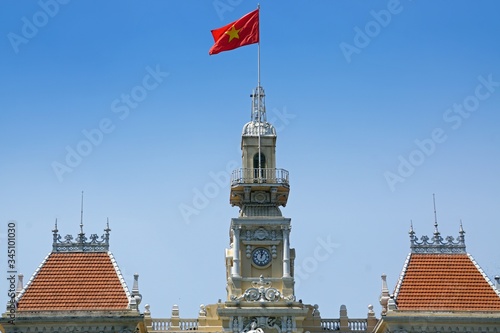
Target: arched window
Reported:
[(256, 161), (257, 166)]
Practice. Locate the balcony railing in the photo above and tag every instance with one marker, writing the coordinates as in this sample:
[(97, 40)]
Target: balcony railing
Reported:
[(259, 176)]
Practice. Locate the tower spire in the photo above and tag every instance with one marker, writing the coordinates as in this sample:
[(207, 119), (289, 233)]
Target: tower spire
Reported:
[(259, 118)]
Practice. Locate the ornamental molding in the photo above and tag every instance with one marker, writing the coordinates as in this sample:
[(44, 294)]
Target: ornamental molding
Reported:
[(262, 234), (81, 243), (437, 244), (283, 324), (261, 291)]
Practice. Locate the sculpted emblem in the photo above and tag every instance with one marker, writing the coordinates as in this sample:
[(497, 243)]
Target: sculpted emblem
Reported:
[(261, 234)]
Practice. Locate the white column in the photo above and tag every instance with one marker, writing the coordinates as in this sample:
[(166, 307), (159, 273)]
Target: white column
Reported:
[(286, 251), (235, 270)]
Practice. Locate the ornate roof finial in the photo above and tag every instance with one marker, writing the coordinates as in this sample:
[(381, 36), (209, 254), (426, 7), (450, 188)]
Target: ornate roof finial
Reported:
[(461, 232), (20, 284), (384, 295), (135, 290), (105, 237), (55, 234), (412, 233)]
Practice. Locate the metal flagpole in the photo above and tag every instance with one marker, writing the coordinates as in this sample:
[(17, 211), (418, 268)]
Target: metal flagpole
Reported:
[(259, 128), (258, 52)]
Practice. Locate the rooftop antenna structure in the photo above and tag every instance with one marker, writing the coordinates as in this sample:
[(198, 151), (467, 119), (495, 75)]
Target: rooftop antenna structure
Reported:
[(435, 214), (437, 235), (81, 216)]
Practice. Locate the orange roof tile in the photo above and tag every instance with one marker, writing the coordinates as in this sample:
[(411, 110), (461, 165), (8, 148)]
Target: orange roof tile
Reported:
[(445, 282), (75, 281)]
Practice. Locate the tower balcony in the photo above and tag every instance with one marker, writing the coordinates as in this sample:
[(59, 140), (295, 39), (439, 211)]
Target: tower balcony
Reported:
[(260, 176), (272, 184)]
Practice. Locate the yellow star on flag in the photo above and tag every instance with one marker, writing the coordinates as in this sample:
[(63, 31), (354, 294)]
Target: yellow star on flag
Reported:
[(233, 33)]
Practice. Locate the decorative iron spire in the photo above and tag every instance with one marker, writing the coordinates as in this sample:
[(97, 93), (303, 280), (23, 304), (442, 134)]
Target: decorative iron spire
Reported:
[(258, 125), (411, 232), (55, 235), (461, 232), (258, 105), (106, 231)]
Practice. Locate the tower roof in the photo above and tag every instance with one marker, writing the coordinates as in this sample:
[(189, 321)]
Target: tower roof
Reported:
[(255, 128), (442, 276)]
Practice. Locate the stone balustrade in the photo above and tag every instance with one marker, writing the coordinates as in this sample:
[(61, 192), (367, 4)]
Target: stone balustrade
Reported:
[(343, 324)]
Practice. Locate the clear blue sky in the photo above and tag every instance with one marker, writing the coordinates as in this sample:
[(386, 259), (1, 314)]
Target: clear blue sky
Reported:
[(378, 105)]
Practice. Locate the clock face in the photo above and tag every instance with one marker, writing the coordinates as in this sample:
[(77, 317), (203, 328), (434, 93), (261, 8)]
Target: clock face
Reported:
[(261, 256)]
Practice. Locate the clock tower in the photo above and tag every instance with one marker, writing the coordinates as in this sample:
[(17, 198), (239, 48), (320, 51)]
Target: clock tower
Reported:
[(259, 260)]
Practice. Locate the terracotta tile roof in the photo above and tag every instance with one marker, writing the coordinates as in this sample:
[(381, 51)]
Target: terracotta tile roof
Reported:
[(445, 282), (75, 281)]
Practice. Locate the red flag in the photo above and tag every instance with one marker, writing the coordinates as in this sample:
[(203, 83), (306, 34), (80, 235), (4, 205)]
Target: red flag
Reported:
[(241, 32)]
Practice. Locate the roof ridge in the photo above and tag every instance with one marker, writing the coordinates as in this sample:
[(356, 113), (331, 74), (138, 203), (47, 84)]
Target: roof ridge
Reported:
[(483, 274), (33, 276), (120, 276), (402, 275)]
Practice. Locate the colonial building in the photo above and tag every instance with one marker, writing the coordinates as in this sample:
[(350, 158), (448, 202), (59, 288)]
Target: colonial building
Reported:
[(78, 287), (441, 288)]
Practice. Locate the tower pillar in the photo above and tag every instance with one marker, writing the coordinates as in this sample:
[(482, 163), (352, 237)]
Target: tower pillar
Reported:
[(235, 270), (286, 251)]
